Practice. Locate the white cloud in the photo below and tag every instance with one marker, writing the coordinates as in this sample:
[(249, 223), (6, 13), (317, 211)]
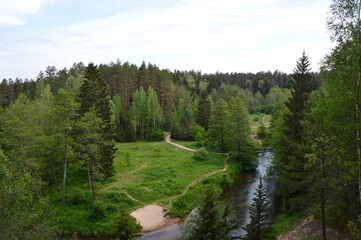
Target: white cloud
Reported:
[(207, 35), (12, 12)]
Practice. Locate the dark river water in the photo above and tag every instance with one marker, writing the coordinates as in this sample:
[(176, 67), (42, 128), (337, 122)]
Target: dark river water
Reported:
[(240, 198)]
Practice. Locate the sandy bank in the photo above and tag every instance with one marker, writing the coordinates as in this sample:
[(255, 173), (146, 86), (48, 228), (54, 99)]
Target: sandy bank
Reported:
[(152, 218)]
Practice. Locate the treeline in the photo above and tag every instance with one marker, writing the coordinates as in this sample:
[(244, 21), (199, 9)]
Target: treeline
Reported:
[(316, 133), (177, 94)]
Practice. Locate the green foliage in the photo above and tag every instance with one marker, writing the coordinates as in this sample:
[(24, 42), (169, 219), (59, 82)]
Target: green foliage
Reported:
[(94, 93), (289, 139), (146, 114), (201, 154), (259, 214), (204, 110), (77, 196), (127, 158), (218, 125), (158, 150), (211, 220), (24, 214), (125, 225), (199, 135), (238, 128), (156, 134)]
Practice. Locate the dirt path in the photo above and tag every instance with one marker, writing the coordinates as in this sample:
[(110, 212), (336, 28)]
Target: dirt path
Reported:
[(254, 137), (201, 178), (151, 217), (168, 140)]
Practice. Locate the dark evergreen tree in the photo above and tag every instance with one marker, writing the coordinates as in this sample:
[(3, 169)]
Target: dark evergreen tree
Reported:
[(293, 184), (126, 227), (204, 110), (94, 92), (259, 214), (212, 221), (302, 87)]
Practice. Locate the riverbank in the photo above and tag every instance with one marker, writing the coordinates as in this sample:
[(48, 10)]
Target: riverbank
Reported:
[(152, 218)]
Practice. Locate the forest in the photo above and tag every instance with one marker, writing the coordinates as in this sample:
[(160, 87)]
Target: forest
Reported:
[(73, 143)]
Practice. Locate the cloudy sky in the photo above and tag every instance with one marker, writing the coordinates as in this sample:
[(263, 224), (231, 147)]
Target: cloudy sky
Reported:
[(206, 35)]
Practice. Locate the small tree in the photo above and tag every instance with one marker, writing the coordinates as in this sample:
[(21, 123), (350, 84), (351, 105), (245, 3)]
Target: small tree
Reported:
[(127, 158), (212, 220), (259, 216), (125, 225)]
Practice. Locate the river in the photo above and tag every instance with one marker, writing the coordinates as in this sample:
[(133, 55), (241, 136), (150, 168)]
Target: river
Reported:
[(240, 198)]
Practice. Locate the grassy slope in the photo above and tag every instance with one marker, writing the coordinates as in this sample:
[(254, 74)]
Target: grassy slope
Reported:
[(149, 178)]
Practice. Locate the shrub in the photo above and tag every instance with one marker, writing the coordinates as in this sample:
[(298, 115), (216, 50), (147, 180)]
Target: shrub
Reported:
[(127, 158), (156, 134), (76, 196), (200, 154), (157, 150), (97, 211)]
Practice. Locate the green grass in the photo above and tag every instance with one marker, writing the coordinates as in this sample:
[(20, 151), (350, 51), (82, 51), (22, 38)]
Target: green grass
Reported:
[(149, 176), (189, 144), (257, 119), (285, 223)]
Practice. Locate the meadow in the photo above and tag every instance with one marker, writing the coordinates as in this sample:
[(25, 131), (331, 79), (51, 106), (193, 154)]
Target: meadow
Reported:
[(145, 173)]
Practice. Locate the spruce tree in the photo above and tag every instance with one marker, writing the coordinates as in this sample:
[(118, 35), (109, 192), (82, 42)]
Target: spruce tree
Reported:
[(212, 220), (259, 215), (302, 87), (95, 92), (204, 110), (293, 184)]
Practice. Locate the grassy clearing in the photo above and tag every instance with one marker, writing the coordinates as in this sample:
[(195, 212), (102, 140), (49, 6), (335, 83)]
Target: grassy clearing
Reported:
[(257, 119), (150, 172), (151, 177)]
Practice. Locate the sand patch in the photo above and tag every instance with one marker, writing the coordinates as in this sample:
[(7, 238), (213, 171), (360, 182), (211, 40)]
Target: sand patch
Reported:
[(152, 218)]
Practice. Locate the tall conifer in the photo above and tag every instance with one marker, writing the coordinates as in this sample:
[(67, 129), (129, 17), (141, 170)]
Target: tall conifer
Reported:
[(293, 183), (204, 110), (95, 92)]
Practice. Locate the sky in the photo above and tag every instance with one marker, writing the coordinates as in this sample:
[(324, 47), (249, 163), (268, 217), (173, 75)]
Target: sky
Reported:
[(201, 35)]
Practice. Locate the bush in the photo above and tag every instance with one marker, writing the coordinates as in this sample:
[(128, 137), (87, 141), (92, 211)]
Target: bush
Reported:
[(156, 134), (127, 158), (157, 150), (76, 196), (200, 154), (97, 211)]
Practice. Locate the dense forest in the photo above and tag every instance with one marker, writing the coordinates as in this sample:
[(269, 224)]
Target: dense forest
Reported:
[(59, 136), (60, 130)]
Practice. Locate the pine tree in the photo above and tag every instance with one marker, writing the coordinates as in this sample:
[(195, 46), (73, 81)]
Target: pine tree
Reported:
[(204, 110), (259, 215)]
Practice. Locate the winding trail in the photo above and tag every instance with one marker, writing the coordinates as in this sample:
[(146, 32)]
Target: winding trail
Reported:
[(151, 217), (199, 179), (168, 140)]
